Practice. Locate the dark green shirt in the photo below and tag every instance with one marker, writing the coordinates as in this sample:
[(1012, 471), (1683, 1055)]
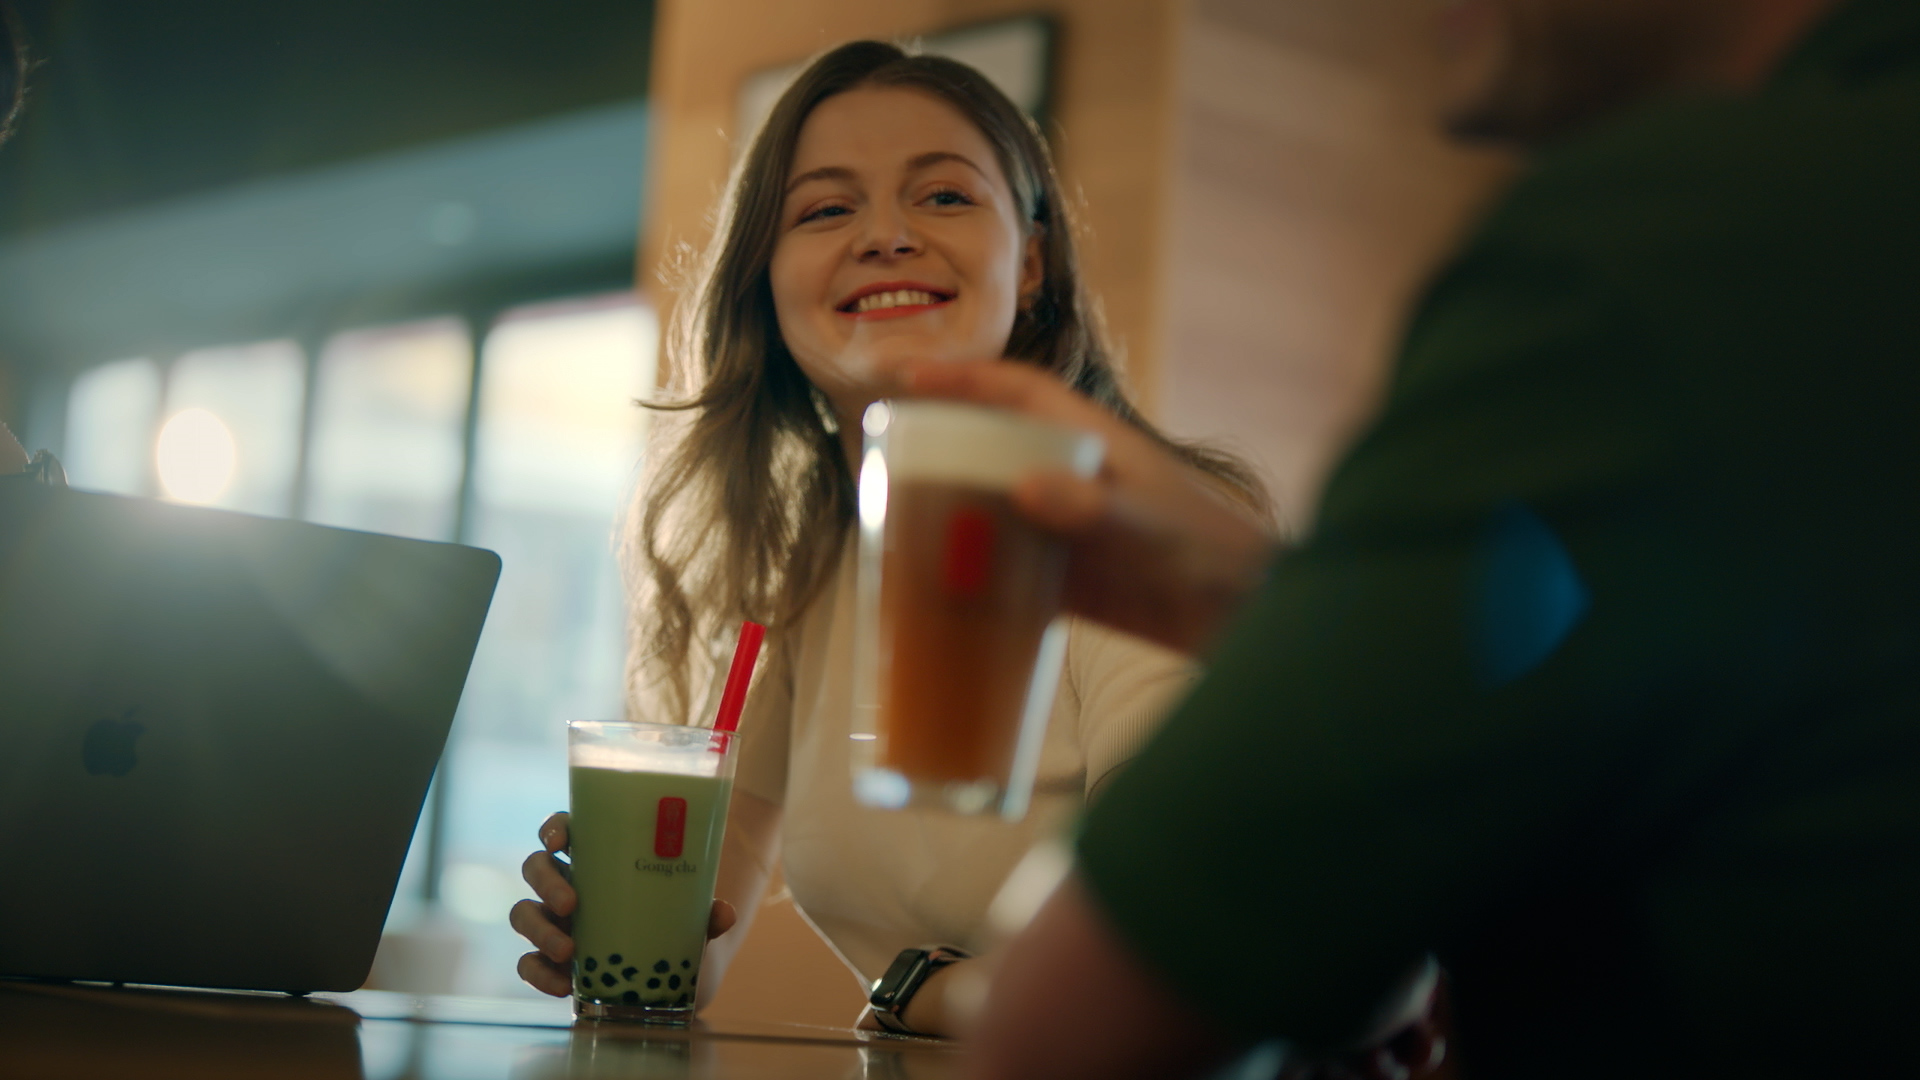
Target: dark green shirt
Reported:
[(1601, 676)]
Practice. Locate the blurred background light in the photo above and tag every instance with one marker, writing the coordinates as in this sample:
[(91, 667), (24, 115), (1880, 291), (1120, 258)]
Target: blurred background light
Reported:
[(194, 456), (255, 390)]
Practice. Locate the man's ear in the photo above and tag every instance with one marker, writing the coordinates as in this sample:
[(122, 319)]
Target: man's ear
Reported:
[(1033, 263)]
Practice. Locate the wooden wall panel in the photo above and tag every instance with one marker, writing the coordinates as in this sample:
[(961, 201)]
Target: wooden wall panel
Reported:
[(1310, 198)]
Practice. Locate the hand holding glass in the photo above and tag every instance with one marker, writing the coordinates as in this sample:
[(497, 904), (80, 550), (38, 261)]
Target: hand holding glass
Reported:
[(649, 805), (959, 641)]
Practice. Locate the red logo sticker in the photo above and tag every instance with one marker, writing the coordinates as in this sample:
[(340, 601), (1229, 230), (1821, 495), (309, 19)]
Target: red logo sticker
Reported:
[(670, 828), (969, 556)]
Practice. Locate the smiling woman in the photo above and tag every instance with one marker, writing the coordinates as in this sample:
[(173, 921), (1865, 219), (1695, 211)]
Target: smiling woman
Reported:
[(746, 509), (893, 208)]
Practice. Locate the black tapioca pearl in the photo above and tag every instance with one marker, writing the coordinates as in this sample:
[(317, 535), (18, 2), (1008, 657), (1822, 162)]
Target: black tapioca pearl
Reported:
[(631, 997), (653, 984), (630, 973), (590, 963), (613, 960), (693, 980), (683, 999), (661, 967), (608, 979), (673, 982), (685, 964)]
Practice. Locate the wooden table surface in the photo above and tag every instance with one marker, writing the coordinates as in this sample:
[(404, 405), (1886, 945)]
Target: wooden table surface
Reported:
[(79, 1032)]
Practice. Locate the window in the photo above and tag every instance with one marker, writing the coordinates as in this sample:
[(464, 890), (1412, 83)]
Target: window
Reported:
[(556, 444), (231, 437), (534, 460), (389, 423), (112, 412)]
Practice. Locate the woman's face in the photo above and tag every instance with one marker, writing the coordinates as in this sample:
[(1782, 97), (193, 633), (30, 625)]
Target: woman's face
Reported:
[(899, 240)]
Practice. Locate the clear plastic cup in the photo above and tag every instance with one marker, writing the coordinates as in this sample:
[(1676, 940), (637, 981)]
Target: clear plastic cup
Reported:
[(649, 811)]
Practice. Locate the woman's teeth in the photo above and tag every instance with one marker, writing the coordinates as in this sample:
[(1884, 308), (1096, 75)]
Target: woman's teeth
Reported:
[(896, 298)]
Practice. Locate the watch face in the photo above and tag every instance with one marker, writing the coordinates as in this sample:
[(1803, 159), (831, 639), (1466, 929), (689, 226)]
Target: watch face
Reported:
[(905, 973)]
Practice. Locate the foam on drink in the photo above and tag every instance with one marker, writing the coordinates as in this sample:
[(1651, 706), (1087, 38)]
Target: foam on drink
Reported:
[(968, 446)]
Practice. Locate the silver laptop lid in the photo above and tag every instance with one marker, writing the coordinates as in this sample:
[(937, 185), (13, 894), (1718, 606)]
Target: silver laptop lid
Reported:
[(216, 733)]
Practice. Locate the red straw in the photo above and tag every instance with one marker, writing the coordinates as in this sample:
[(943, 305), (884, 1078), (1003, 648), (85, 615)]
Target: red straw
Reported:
[(734, 698)]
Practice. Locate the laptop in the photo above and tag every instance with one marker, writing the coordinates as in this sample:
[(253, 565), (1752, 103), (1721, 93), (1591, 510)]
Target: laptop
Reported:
[(216, 735)]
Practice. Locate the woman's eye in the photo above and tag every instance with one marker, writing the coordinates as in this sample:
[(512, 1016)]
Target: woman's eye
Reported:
[(949, 197), (822, 212)]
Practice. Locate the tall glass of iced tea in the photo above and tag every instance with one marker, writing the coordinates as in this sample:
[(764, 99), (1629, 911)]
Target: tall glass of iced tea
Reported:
[(959, 638)]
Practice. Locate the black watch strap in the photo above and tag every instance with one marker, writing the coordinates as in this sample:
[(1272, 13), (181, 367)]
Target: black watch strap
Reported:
[(904, 977)]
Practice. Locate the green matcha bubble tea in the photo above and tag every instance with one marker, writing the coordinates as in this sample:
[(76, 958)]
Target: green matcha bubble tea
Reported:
[(649, 809)]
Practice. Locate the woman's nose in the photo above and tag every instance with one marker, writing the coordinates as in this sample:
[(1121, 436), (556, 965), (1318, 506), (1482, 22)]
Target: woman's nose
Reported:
[(888, 236)]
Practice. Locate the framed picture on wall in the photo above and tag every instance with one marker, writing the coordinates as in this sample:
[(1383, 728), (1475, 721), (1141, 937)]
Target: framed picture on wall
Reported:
[(1016, 54)]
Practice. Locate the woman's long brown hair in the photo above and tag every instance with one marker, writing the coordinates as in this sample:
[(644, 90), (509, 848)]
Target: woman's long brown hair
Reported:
[(749, 494)]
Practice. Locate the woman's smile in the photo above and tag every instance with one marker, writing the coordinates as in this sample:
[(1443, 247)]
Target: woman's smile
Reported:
[(893, 300)]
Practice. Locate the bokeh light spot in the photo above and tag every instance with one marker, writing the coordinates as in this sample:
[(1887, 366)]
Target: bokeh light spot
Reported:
[(195, 456)]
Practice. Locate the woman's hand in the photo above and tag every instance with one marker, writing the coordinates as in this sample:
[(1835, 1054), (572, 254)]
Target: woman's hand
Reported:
[(1157, 550), (941, 1008), (548, 921)]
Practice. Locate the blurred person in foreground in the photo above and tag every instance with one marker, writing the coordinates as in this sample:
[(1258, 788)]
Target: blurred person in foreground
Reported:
[(1602, 671)]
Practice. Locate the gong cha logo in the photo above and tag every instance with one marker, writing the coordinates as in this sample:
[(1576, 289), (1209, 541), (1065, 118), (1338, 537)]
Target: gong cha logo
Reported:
[(669, 840)]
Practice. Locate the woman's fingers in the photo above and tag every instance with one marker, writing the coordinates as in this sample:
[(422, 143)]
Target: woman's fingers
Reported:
[(722, 918), (1157, 549), (1020, 388), (554, 832), (545, 976), (548, 933), (547, 925), (548, 877)]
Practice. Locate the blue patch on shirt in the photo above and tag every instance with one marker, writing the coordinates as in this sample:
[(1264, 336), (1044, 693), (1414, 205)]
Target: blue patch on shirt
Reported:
[(1527, 596)]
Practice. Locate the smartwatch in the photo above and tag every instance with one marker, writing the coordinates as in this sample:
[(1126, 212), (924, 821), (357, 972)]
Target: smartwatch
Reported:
[(909, 971)]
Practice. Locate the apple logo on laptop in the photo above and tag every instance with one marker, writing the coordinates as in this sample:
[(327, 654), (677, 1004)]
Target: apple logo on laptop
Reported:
[(108, 750)]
